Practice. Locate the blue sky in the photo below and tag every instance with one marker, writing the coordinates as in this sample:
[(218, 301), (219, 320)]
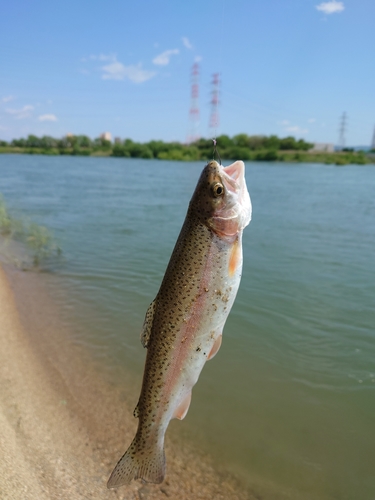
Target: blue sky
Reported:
[(288, 67)]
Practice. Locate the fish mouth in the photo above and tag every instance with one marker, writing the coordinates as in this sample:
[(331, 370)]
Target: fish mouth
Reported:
[(235, 171), (234, 176)]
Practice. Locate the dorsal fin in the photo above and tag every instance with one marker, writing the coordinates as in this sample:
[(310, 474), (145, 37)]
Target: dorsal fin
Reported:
[(147, 324)]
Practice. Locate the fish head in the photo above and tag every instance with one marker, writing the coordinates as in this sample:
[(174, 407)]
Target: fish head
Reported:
[(221, 199)]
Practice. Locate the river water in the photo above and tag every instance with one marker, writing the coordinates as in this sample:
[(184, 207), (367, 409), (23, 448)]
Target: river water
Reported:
[(288, 404)]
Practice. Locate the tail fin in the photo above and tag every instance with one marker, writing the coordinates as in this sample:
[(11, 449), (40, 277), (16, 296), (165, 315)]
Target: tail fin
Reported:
[(148, 465)]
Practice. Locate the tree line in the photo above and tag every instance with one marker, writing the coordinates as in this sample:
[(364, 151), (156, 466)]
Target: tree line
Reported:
[(241, 146)]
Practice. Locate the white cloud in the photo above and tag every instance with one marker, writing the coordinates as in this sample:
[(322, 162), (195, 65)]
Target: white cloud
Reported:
[(295, 129), (331, 7), (22, 113), (118, 71), (102, 57), (197, 59), (164, 58), (311, 120), (186, 42), (47, 118), (8, 98), (115, 70)]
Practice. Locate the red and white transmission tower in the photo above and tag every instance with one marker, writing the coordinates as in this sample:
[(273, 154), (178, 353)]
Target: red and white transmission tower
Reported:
[(194, 115), (213, 124)]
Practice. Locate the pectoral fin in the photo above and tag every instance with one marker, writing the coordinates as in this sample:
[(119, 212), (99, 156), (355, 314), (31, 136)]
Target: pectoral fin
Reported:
[(182, 409), (147, 324), (235, 257)]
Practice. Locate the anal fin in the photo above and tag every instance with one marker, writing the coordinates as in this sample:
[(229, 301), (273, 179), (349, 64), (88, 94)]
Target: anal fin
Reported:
[(182, 409)]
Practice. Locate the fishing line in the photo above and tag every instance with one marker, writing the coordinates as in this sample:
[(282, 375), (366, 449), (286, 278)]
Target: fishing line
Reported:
[(220, 73), (216, 151)]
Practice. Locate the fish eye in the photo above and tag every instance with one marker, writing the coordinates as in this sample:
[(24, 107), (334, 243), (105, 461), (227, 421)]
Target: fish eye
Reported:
[(217, 189)]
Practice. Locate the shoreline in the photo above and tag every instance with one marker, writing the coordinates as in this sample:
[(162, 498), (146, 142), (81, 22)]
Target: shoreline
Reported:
[(337, 158), (63, 426)]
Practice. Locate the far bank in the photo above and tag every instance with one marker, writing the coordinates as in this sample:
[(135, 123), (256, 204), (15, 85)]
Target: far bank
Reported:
[(241, 146)]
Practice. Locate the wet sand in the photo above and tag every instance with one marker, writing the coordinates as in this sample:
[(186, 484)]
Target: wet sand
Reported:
[(63, 426)]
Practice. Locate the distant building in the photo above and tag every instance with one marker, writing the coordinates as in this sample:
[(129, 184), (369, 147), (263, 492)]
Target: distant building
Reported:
[(106, 136), (322, 147), (117, 140)]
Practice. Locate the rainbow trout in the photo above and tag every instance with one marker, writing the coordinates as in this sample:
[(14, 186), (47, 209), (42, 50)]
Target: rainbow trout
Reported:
[(184, 324)]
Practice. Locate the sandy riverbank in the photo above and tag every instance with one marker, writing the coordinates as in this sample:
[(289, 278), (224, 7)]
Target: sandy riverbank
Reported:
[(62, 427)]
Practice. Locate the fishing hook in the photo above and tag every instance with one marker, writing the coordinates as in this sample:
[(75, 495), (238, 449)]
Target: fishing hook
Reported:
[(216, 150)]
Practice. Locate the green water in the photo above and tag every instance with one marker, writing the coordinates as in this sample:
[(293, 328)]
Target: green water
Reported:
[(288, 404)]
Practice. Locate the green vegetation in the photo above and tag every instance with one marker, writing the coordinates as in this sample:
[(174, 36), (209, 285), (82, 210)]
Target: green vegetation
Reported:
[(241, 146), (36, 238)]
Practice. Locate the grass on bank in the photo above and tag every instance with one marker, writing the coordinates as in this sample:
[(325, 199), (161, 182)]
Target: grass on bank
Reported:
[(37, 239)]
